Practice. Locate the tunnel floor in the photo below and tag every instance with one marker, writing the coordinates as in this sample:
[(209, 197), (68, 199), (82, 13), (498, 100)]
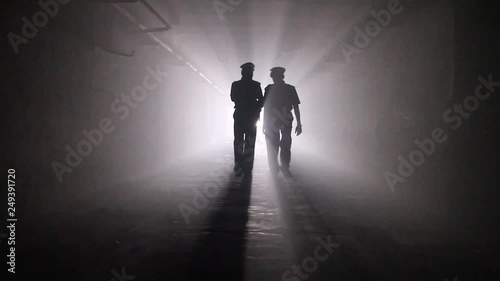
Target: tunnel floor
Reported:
[(317, 225)]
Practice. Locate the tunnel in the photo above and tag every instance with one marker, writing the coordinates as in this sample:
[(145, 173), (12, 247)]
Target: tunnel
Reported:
[(122, 127)]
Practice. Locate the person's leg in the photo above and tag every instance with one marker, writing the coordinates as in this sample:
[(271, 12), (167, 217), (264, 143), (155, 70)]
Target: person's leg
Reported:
[(272, 142), (238, 145), (249, 150), (286, 145)]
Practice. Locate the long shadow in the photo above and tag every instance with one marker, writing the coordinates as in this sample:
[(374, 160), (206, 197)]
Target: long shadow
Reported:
[(342, 265), (372, 254), (220, 252)]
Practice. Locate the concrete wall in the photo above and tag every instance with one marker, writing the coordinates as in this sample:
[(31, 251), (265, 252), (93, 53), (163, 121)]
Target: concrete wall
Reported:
[(60, 85), (407, 68)]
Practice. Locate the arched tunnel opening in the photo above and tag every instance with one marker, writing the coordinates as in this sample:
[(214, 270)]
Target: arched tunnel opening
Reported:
[(122, 126)]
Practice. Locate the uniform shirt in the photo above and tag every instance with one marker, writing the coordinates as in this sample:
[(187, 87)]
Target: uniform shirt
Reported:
[(279, 100), (247, 98)]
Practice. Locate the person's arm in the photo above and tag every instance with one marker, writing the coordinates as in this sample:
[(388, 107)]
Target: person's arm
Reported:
[(296, 110), (232, 92), (264, 123), (266, 91), (260, 97), (260, 100)]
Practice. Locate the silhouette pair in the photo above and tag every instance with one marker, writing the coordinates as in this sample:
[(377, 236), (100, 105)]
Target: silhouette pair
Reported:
[(278, 101)]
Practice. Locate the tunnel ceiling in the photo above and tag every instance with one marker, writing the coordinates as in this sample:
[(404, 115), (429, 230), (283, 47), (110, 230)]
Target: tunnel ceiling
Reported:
[(296, 34)]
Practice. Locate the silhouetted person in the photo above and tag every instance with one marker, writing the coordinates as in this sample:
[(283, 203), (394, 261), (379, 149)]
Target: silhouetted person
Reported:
[(248, 100), (279, 100)]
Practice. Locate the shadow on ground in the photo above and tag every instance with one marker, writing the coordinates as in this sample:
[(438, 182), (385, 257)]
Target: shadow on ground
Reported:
[(220, 252)]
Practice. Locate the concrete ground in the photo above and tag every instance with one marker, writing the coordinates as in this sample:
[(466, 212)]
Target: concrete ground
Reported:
[(196, 221)]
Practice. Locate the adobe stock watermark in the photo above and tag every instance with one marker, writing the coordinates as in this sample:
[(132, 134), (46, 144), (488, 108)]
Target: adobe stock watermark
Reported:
[(453, 116), (372, 29), (221, 7), (49, 8), (310, 264), (121, 107)]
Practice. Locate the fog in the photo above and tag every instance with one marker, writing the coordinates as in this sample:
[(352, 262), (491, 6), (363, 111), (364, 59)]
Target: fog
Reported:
[(94, 98)]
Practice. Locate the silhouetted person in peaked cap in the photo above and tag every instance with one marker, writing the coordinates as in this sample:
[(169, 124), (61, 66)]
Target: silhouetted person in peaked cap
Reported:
[(248, 101), (279, 100)]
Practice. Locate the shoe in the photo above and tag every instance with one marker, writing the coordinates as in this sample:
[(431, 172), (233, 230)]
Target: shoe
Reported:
[(286, 172), (238, 171)]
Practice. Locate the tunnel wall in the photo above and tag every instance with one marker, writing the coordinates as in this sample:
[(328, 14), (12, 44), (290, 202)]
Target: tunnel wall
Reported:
[(475, 177), (427, 64), (61, 84), (407, 69)]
